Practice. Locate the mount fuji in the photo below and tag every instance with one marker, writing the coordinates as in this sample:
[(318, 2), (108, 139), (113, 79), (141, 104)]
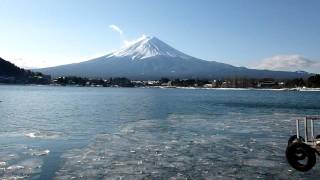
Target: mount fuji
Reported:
[(150, 58)]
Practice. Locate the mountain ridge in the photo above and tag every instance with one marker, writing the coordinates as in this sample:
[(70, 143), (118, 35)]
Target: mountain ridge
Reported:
[(8, 69), (12, 74), (150, 58)]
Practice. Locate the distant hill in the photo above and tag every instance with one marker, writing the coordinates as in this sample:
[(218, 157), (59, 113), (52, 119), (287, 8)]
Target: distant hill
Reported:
[(10, 73), (9, 69), (150, 59)]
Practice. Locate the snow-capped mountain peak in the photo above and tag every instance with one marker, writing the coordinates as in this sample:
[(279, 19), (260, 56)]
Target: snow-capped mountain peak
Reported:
[(148, 58), (146, 47)]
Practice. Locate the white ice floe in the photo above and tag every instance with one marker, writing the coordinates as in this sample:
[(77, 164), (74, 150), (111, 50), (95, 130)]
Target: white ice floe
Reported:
[(43, 135), (31, 135), (2, 163), (20, 162), (15, 167), (36, 152)]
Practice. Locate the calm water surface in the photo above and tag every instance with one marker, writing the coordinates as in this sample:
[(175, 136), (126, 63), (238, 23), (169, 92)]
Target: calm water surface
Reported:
[(118, 133)]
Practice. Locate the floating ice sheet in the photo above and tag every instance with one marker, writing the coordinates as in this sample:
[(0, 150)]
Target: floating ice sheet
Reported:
[(20, 162), (175, 149), (43, 135)]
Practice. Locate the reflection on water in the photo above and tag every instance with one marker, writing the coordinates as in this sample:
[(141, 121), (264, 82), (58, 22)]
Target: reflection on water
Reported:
[(110, 133)]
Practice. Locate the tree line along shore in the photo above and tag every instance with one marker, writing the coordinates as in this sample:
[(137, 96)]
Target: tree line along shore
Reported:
[(11, 74), (311, 82)]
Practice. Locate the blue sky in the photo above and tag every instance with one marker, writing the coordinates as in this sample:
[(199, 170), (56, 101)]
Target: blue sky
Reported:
[(268, 34)]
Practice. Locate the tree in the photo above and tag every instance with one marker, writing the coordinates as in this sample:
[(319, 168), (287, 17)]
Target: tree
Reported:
[(164, 80), (298, 82), (314, 81)]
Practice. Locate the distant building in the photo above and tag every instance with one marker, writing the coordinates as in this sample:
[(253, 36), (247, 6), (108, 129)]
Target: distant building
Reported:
[(268, 84), (208, 85), (138, 83), (169, 83), (281, 84), (214, 83), (226, 84), (152, 83)]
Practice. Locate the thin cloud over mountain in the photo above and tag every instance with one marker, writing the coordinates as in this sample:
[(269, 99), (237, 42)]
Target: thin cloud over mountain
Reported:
[(125, 41), (292, 62), (116, 28)]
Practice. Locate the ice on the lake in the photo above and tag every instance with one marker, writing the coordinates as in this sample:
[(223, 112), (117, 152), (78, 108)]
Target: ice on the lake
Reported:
[(15, 167), (151, 134), (43, 135), (38, 152), (19, 162), (21, 169), (175, 149), (2, 163)]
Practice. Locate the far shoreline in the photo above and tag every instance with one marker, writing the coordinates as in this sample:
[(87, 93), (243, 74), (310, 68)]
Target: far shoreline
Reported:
[(298, 89)]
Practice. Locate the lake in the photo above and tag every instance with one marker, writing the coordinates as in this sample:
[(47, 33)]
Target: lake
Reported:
[(149, 133)]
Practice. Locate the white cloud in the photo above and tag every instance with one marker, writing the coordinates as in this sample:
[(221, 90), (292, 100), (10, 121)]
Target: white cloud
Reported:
[(128, 43), (116, 28), (288, 63), (121, 33), (125, 41)]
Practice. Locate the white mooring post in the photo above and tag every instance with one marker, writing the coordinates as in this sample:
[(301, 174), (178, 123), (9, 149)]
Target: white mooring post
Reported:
[(297, 126), (312, 129), (306, 129)]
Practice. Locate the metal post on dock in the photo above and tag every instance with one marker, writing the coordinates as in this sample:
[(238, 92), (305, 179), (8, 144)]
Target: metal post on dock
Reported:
[(306, 129), (297, 126), (312, 129)]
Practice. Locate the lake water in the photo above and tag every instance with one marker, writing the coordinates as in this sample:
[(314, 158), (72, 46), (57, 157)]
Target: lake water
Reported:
[(140, 133)]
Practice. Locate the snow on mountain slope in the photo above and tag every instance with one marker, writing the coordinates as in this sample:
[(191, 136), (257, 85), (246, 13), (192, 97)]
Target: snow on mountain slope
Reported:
[(147, 47)]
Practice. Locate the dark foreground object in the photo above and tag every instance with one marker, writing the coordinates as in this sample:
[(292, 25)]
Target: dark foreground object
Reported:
[(301, 156), (301, 152)]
